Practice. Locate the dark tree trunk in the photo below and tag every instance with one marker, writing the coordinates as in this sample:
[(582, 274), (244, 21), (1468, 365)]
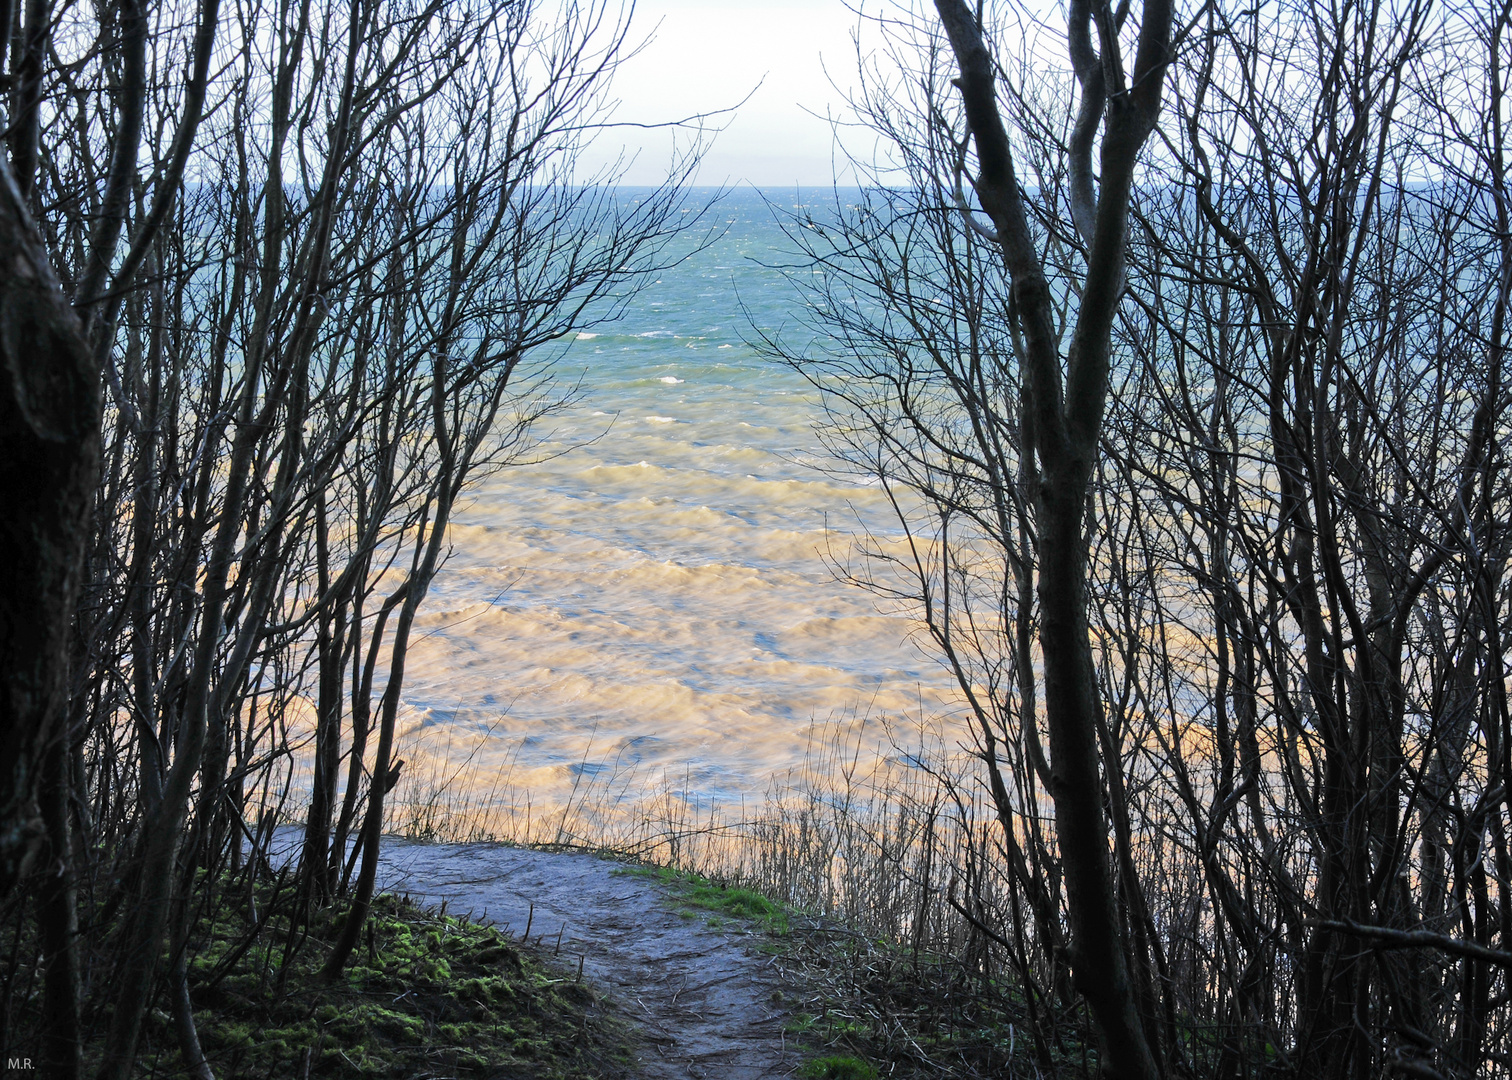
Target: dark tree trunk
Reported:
[(49, 465), (58, 922), (1067, 407)]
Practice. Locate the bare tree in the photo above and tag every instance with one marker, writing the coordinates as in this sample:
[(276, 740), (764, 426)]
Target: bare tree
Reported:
[(1036, 456), (306, 353), (1291, 518), (1331, 269)]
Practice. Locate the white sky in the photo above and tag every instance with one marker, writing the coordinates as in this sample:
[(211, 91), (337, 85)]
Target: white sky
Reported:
[(707, 55)]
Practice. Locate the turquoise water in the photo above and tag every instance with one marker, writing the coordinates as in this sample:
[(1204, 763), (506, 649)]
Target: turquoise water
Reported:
[(657, 598)]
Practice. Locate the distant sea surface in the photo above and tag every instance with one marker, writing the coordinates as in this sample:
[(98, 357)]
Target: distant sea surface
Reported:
[(656, 600)]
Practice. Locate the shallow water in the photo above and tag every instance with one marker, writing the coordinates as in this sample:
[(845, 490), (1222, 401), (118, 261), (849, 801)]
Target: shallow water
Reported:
[(657, 599)]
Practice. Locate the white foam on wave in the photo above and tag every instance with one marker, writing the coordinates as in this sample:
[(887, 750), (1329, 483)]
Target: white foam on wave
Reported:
[(662, 419), (670, 380), (583, 335), (612, 466)]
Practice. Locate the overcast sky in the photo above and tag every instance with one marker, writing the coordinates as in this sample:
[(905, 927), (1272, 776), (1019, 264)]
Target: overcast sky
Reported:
[(708, 55)]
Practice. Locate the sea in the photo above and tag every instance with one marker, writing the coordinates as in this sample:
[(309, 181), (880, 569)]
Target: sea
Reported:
[(655, 600)]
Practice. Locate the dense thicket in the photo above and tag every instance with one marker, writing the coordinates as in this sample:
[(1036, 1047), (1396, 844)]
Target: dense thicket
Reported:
[(341, 252), (1297, 511), (1209, 519)]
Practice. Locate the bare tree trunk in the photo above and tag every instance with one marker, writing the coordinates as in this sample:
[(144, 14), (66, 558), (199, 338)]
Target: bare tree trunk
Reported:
[(1067, 428), (58, 920), (25, 120), (372, 827), (331, 650), (49, 463), (183, 1020)]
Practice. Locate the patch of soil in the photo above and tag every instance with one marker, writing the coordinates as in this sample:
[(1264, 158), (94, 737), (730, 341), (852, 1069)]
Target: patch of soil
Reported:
[(710, 1004)]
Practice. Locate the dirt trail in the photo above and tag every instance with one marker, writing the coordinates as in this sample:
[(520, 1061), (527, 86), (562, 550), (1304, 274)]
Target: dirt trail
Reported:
[(708, 1003)]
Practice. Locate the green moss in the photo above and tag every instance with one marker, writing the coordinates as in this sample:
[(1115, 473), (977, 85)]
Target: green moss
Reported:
[(737, 903), (423, 996), (838, 1068)]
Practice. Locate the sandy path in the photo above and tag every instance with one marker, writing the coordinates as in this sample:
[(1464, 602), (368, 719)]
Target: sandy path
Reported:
[(708, 1003)]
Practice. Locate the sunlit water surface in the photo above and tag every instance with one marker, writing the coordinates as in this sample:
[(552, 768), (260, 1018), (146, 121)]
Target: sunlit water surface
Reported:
[(658, 600)]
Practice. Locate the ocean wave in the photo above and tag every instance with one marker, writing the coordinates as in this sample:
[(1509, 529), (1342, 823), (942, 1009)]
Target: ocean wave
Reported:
[(658, 592)]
